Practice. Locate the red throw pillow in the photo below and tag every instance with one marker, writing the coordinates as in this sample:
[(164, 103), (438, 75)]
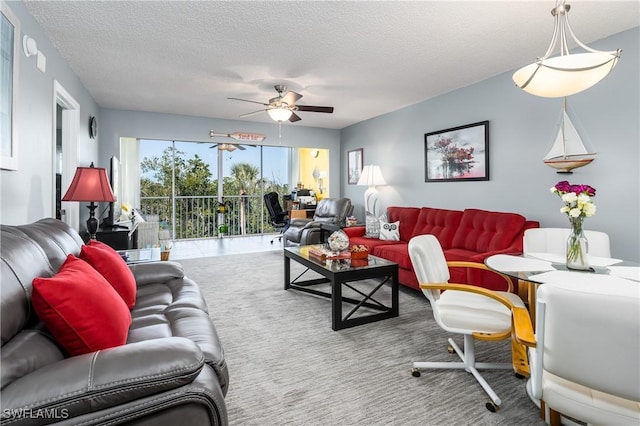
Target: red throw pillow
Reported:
[(80, 308), (110, 264)]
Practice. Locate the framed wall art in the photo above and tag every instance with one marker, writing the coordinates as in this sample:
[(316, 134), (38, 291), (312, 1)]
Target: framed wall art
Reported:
[(354, 165), (457, 154)]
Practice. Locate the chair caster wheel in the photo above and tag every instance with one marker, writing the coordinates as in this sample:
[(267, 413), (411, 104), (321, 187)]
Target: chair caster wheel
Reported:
[(415, 372), (492, 407), (450, 349)]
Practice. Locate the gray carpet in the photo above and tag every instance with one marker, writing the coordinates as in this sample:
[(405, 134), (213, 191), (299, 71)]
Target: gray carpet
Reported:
[(288, 367)]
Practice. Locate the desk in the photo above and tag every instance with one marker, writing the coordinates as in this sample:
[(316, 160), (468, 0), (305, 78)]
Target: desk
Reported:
[(534, 269), (301, 214)]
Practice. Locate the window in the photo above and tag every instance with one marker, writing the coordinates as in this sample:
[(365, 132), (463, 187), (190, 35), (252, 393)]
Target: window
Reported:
[(185, 183), (9, 34)]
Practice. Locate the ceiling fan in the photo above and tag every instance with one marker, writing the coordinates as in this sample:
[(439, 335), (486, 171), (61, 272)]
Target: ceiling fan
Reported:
[(283, 106)]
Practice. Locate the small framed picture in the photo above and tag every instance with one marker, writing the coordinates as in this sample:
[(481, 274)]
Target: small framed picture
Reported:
[(354, 165), (457, 154)]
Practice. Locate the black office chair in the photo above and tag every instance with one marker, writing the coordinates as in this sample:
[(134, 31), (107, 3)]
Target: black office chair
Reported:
[(279, 218)]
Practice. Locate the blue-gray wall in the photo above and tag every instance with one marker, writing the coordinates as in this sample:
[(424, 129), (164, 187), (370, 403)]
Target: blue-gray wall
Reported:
[(521, 129), (27, 193)]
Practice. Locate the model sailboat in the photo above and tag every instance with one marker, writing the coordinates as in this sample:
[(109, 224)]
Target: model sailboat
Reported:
[(568, 152)]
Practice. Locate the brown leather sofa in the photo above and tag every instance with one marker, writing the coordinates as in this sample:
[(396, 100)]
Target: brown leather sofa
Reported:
[(170, 371)]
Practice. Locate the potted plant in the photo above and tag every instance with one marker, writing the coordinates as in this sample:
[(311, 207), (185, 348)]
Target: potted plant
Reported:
[(222, 206)]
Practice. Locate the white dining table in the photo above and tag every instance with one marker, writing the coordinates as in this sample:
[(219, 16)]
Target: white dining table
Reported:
[(535, 269)]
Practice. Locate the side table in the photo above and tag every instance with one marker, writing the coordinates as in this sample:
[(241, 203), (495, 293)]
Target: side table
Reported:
[(118, 238)]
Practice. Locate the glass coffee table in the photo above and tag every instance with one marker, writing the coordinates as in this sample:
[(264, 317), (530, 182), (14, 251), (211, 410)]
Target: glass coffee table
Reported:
[(137, 255), (371, 274)]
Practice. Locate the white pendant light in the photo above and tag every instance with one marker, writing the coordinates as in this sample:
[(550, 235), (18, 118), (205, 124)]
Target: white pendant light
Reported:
[(279, 114), (566, 74)]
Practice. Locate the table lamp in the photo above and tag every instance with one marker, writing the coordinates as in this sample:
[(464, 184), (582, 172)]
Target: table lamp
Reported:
[(371, 176), (90, 184)]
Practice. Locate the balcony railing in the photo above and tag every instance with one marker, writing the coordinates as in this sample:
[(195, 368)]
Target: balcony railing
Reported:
[(198, 217)]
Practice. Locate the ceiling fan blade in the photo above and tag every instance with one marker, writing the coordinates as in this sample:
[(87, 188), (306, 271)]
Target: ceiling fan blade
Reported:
[(213, 146), (290, 98), (247, 100), (311, 108), (240, 147), (251, 113), (294, 117)]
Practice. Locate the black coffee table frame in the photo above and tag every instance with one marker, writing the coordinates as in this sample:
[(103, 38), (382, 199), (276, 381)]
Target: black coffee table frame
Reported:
[(378, 268)]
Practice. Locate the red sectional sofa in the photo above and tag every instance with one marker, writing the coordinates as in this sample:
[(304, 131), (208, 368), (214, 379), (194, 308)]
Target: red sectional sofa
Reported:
[(469, 235)]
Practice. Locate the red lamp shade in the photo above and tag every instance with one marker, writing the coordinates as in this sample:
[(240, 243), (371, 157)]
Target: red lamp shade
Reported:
[(90, 184)]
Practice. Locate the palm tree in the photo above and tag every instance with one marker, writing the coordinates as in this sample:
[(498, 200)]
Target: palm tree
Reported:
[(245, 177)]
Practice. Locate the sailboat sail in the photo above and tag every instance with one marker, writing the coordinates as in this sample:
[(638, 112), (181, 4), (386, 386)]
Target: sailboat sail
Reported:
[(568, 152), (568, 142)]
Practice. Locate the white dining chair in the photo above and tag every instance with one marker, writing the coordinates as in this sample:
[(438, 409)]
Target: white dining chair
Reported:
[(554, 240), (474, 312), (584, 357)]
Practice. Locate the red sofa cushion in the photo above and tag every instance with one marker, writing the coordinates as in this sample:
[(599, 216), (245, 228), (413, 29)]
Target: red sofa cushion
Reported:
[(372, 243), (80, 308), (439, 222), (398, 253), (110, 264), (407, 216), (483, 231), (354, 231)]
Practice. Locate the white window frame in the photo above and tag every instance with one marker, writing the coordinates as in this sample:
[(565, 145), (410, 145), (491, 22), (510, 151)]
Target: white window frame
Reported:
[(10, 162)]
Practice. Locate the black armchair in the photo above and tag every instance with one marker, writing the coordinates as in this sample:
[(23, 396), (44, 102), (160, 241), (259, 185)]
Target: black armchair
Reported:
[(330, 215), (278, 217)]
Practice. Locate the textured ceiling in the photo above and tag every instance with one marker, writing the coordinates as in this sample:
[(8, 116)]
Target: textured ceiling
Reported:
[(364, 58)]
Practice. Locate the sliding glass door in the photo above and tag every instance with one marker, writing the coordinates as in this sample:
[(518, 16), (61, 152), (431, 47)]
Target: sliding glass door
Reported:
[(200, 191)]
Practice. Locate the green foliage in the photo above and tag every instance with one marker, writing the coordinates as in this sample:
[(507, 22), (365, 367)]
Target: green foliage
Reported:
[(196, 195), (192, 176)]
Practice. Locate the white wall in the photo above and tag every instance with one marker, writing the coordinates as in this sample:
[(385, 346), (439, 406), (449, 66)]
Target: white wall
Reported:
[(521, 130)]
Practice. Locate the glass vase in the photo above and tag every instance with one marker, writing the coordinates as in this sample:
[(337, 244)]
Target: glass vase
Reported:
[(577, 247)]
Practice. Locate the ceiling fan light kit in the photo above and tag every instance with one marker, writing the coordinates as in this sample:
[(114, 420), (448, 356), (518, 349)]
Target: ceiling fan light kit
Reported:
[(226, 147), (566, 74), (283, 106), (279, 114)]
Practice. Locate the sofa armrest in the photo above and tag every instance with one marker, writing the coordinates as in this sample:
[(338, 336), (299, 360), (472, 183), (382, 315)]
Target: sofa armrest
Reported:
[(81, 384), (330, 227), (355, 231), (299, 222), (156, 272)]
